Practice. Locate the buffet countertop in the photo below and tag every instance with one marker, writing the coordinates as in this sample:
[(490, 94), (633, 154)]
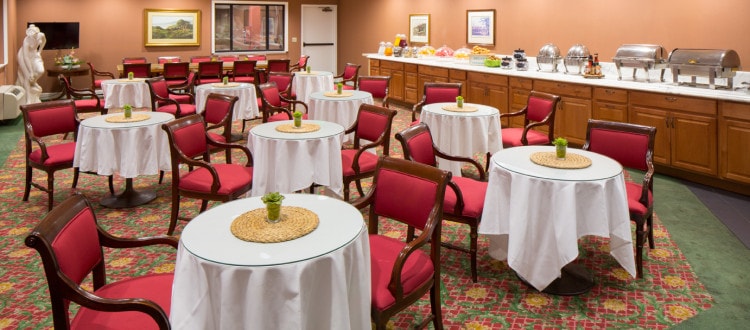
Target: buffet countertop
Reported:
[(740, 92)]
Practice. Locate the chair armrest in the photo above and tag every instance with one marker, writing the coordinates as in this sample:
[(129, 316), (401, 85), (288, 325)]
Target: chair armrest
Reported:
[(480, 169), (513, 114), (243, 148), (109, 240), (94, 302), (395, 285)]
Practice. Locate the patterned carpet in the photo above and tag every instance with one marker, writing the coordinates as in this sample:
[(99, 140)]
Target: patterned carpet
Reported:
[(668, 294)]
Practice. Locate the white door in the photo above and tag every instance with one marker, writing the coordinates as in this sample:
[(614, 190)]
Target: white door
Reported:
[(319, 36)]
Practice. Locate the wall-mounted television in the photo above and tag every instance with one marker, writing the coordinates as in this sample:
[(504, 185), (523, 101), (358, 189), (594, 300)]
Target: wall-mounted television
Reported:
[(60, 35)]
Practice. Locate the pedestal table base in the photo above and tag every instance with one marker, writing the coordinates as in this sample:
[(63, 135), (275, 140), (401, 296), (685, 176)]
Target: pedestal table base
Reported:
[(128, 198), (574, 280)]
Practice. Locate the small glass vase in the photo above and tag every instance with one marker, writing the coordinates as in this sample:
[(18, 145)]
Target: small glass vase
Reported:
[(460, 103), (339, 88), (561, 151), (273, 212), (128, 112), (298, 122)]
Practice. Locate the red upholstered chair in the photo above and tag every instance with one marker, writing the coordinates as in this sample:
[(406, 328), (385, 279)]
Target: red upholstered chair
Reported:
[(139, 70), (210, 72), (42, 121), (278, 65), (218, 114), (274, 106), (132, 60), (165, 100), (373, 124), (71, 244), (177, 74), (539, 111), (349, 76), (188, 140), (255, 57), (168, 59), (464, 197), (96, 82), (403, 271), (301, 65), (200, 58), (228, 58), (86, 100), (436, 93), (284, 81), (244, 71), (375, 85), (633, 146)]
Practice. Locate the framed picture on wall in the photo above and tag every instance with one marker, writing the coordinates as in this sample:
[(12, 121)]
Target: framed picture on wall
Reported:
[(419, 28), (480, 27), (171, 27)]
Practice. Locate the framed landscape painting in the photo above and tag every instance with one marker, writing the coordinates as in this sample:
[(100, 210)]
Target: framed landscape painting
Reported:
[(419, 28), (480, 27), (171, 27)]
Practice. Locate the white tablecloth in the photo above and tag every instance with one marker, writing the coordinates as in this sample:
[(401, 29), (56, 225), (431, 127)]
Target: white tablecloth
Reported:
[(463, 133), (118, 92), (288, 162), (318, 281), (306, 84), (534, 214), (130, 149), (245, 108), (340, 110)]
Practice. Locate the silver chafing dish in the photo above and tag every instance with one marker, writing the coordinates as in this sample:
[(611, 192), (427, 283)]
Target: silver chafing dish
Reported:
[(548, 58), (576, 59), (711, 63), (640, 56)]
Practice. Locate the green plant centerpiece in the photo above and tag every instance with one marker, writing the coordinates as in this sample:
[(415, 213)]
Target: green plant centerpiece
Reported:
[(561, 147), (273, 206), (339, 88), (225, 80), (128, 110), (297, 118), (130, 76), (308, 69), (460, 101)]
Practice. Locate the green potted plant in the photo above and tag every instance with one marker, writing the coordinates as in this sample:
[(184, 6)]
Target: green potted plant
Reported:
[(339, 87), (307, 68), (460, 101), (128, 110), (561, 146), (225, 80), (130, 76), (273, 206), (297, 118)]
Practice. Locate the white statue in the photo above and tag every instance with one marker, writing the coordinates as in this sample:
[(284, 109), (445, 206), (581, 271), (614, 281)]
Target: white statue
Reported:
[(30, 63)]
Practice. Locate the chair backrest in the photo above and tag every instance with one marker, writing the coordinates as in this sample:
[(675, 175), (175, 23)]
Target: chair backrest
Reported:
[(278, 65), (158, 87), (630, 144), (255, 57), (303, 61), (219, 109), (373, 124), (210, 69), (244, 68), (441, 92), (168, 59), (269, 94), (283, 80), (540, 107), (139, 70), (176, 70), (50, 118), (96, 83), (200, 58), (376, 85), (187, 137), (132, 60), (228, 58), (351, 71), (417, 144)]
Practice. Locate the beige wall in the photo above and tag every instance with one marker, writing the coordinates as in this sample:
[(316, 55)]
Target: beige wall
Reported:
[(528, 24)]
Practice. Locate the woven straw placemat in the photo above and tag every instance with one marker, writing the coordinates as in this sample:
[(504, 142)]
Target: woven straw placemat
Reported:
[(134, 118), (334, 94), (305, 128), (571, 160), (455, 108), (132, 80), (295, 222), (227, 85)]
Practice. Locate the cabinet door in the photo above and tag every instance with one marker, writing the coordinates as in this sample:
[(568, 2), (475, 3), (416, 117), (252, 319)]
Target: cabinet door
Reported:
[(410, 88), (610, 111), (694, 143), (476, 93), (498, 97), (734, 139), (571, 119), (396, 90), (518, 99), (656, 118)]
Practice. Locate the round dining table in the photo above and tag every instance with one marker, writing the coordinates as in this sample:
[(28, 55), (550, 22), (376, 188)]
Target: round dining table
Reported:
[(130, 149), (318, 281), (338, 108), (288, 162), (246, 106), (119, 92), (462, 133), (308, 83)]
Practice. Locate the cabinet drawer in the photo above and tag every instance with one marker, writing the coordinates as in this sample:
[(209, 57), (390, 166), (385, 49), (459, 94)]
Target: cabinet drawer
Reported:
[(674, 102), (735, 110), (611, 94), (458, 74), (433, 71), (486, 78), (391, 65), (410, 68), (521, 83), (563, 89), (374, 63)]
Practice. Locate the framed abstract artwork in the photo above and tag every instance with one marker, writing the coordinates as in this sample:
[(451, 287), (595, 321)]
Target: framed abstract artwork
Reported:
[(480, 27)]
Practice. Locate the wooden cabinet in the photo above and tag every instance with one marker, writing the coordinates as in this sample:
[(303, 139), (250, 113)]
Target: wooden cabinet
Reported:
[(487, 89), (459, 76), (429, 74), (686, 129), (396, 71), (374, 67), (519, 91), (575, 108), (610, 104), (411, 85), (734, 141)]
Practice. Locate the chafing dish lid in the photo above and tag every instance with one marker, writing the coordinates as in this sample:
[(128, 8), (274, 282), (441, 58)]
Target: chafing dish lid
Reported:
[(640, 51), (549, 50), (725, 58), (578, 51)]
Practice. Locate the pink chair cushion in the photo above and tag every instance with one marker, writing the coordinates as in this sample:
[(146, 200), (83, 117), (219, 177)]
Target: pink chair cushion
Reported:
[(282, 116), (215, 110), (538, 109), (182, 99), (157, 288), (86, 105), (420, 149), (160, 88), (610, 143), (473, 192), (231, 178), (371, 125), (350, 71), (53, 120), (374, 87), (417, 269), (217, 137), (245, 79), (440, 94), (367, 161), (634, 191), (512, 137), (185, 109), (76, 246), (191, 139), (392, 195), (98, 83), (205, 80), (347, 87), (58, 154)]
